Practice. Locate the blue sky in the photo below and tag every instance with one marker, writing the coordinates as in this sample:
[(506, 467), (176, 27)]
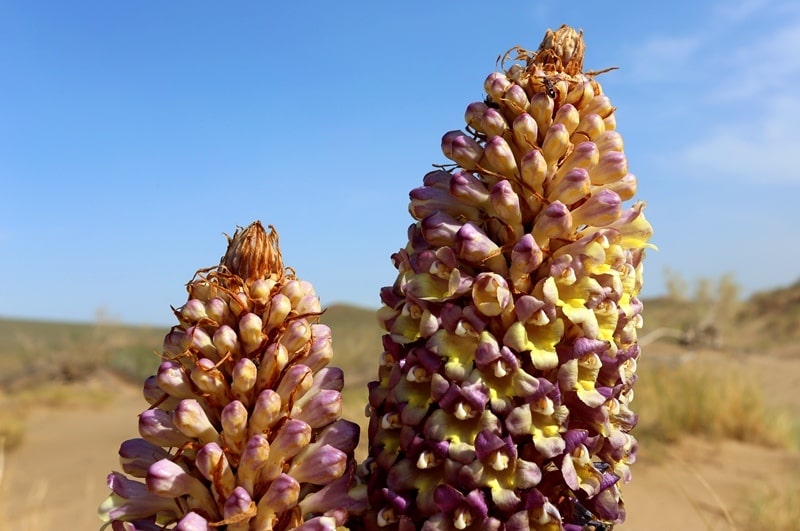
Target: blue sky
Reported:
[(134, 134)]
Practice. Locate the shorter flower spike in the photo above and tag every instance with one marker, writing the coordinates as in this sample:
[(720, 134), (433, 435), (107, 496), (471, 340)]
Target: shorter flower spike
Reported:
[(245, 429)]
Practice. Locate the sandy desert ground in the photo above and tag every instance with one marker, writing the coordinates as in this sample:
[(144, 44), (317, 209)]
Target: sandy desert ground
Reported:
[(56, 478)]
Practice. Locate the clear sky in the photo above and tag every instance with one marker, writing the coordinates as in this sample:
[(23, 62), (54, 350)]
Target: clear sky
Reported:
[(134, 134)]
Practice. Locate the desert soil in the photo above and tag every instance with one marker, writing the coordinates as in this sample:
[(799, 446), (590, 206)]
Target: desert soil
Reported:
[(56, 478)]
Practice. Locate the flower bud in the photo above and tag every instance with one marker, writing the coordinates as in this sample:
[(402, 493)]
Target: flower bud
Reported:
[(297, 334), (321, 410), (193, 311), (156, 427), (321, 351), (234, 426), (505, 203), (569, 116), (255, 456), (585, 155), (279, 307), (166, 478), (533, 168), (211, 381), (525, 258), (308, 305), (295, 382), (609, 141), (581, 93), (474, 246), (500, 157), (468, 189), (474, 114), (250, 332), (599, 105), (554, 221), (172, 379), (525, 131), (174, 343), (243, 380), (326, 465), (192, 522), (461, 149), (198, 341), (192, 421), (625, 188), (281, 496), (226, 341), (136, 456), (555, 143), (213, 465), (613, 166), (572, 187), (496, 85), (266, 411), (239, 508), (217, 310), (590, 128), (515, 99), (602, 208), (439, 228), (541, 108), (493, 123)]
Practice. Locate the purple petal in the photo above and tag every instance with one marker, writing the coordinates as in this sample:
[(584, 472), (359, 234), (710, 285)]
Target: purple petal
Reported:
[(136, 456), (486, 443), (239, 503), (554, 221), (573, 438), (192, 522), (190, 418), (439, 228), (322, 409), (466, 187), (320, 467), (156, 426), (448, 498), (601, 209)]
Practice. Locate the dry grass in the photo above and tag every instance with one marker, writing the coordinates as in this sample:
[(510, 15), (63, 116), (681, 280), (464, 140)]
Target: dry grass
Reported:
[(58, 395), (12, 427), (776, 509), (708, 399)]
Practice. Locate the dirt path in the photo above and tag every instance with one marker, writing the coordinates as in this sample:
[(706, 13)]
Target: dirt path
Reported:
[(56, 478), (692, 485)]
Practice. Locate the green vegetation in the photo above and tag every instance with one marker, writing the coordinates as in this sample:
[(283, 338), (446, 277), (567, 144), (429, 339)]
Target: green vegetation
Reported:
[(32, 352)]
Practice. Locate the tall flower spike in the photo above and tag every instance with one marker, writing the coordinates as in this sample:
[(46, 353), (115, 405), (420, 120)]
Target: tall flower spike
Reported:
[(504, 413), (244, 399)]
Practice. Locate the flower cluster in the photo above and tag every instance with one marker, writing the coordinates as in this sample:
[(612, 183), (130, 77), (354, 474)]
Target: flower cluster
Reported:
[(243, 430), (503, 392)]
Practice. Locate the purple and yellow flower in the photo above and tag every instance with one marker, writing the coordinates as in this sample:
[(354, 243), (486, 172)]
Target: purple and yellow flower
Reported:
[(503, 392)]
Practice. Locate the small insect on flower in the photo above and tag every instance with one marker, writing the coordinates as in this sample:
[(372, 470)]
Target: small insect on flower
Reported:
[(490, 102), (548, 85)]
